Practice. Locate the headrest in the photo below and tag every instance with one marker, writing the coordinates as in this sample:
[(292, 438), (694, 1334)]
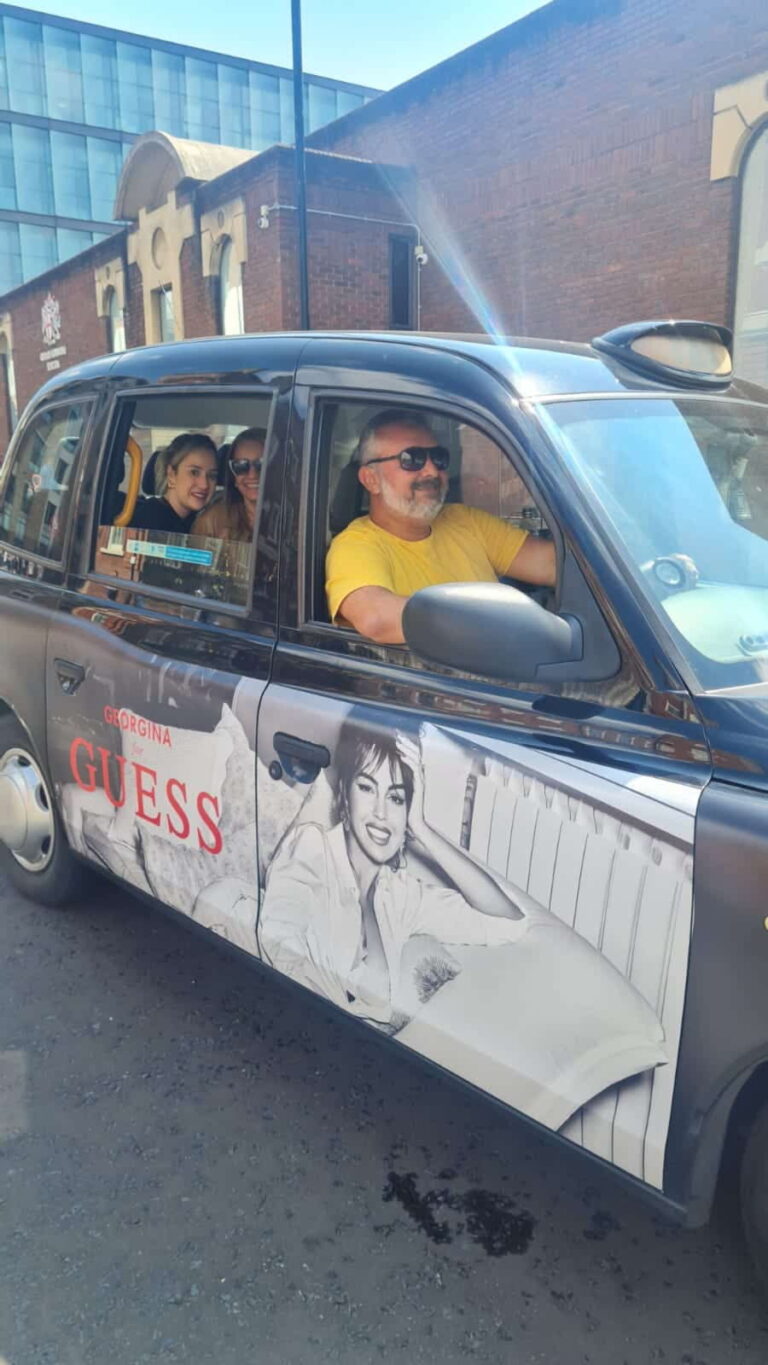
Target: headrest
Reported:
[(347, 499), (148, 477)]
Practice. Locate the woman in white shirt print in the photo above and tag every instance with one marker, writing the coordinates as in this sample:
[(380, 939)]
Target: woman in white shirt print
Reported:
[(344, 913)]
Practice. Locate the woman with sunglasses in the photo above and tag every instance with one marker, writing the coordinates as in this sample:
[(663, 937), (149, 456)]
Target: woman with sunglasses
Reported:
[(234, 517)]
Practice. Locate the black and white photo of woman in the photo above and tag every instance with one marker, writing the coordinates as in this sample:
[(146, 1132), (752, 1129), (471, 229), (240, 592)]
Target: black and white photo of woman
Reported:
[(347, 912)]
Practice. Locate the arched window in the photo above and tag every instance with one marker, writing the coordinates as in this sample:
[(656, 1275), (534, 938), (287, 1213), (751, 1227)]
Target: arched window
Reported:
[(751, 312), (115, 322), (230, 292)]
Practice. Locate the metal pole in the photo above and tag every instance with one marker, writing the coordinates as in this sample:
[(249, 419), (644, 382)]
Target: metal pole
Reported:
[(301, 184)]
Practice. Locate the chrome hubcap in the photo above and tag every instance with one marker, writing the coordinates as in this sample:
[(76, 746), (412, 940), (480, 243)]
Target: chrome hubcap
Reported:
[(26, 816)]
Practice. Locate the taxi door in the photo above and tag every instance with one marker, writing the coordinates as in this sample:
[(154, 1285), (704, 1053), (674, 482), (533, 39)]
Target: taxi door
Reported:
[(157, 661), (497, 876)]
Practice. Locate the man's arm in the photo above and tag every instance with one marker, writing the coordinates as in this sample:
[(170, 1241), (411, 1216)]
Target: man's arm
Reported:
[(376, 613), (535, 562)]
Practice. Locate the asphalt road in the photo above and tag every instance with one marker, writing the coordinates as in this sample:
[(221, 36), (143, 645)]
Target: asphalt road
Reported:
[(199, 1164)]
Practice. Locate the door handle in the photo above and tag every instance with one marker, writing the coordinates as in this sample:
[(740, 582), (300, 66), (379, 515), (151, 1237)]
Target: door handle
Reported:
[(69, 675), (301, 759)]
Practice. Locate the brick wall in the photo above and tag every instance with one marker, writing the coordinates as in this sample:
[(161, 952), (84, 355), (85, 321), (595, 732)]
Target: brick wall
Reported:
[(563, 165), (83, 332)]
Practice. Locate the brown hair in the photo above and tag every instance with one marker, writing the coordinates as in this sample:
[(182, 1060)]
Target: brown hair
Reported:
[(232, 495)]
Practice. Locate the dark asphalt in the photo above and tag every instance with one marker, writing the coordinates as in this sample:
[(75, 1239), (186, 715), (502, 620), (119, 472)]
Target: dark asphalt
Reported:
[(198, 1164)]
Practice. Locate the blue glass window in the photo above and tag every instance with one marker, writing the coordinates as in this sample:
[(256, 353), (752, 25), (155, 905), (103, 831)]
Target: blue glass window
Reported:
[(34, 178), (168, 79), (265, 110), (38, 248), (3, 70), (63, 73), (100, 81), (7, 173), (347, 101), (134, 77), (234, 99), (105, 159), (202, 100), (322, 105), (71, 190), (69, 241), (24, 53), (10, 257), (286, 110)]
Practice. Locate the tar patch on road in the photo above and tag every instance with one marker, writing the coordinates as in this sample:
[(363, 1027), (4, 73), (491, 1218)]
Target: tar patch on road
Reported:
[(490, 1220)]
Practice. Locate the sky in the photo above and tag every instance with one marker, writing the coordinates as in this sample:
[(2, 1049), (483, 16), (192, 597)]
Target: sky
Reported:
[(373, 42)]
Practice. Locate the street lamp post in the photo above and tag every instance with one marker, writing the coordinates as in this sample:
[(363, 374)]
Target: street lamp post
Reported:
[(301, 184)]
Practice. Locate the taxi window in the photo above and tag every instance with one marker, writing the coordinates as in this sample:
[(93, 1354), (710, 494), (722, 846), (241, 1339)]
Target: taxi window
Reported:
[(479, 475), (38, 484), (180, 493)]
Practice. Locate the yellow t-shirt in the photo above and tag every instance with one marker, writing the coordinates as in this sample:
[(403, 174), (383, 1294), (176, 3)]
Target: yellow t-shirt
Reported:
[(465, 546)]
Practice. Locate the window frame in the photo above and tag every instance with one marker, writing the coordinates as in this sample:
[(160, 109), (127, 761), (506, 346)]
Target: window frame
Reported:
[(116, 427), (314, 481), (10, 467), (395, 239)]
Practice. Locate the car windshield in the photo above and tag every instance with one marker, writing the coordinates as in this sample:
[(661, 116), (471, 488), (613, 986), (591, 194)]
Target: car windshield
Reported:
[(682, 484)]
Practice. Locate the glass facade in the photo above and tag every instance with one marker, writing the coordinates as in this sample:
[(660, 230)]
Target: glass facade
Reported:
[(72, 101)]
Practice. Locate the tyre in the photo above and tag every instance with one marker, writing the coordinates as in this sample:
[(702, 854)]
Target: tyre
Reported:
[(754, 1195), (34, 854)]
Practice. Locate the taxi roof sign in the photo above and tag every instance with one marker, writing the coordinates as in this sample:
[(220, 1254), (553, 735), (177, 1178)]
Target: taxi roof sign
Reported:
[(685, 353)]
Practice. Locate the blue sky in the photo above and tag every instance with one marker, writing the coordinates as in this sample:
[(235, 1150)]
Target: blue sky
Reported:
[(375, 42)]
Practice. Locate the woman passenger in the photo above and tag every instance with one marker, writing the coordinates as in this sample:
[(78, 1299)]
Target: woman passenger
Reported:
[(234, 517), (185, 479)]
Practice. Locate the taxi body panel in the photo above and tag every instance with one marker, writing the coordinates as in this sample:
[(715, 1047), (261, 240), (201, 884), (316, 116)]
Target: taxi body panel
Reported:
[(195, 750)]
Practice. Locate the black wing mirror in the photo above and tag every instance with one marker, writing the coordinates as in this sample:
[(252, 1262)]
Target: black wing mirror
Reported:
[(491, 629)]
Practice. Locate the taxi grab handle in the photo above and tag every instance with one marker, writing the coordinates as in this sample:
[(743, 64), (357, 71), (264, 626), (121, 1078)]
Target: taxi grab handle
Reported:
[(491, 629)]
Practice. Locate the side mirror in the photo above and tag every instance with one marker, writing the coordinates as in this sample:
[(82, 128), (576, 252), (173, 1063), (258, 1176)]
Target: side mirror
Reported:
[(492, 629)]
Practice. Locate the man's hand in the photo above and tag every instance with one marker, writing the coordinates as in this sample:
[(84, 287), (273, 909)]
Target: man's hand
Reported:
[(375, 613), (535, 562)]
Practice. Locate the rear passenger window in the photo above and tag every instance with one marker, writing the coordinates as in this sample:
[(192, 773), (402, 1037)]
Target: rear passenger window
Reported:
[(38, 485), (181, 490)]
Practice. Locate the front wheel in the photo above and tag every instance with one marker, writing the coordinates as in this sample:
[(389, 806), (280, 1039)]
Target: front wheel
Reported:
[(754, 1195), (34, 854)]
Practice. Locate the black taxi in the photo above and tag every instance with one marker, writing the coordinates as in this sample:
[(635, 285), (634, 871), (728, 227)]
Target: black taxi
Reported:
[(530, 843)]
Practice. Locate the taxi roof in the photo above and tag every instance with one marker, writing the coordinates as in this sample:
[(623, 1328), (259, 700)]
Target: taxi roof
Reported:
[(531, 368)]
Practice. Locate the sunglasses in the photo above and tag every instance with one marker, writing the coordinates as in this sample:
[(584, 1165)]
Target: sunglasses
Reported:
[(240, 467), (414, 458)]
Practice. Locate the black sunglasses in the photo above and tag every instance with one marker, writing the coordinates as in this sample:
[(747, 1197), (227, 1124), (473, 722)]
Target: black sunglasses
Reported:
[(240, 467), (415, 457)]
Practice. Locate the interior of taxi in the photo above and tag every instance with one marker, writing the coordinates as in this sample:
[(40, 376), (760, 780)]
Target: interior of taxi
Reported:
[(479, 475), (173, 556)]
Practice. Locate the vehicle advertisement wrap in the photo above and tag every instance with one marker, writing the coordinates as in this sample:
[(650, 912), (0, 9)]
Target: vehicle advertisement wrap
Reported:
[(519, 917)]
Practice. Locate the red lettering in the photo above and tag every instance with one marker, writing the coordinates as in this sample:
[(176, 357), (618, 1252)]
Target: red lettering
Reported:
[(146, 793), (109, 715), (76, 744), (167, 738), (116, 801), (210, 824), (183, 832), (132, 724)]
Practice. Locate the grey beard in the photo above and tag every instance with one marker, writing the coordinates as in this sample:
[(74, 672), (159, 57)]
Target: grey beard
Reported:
[(415, 510)]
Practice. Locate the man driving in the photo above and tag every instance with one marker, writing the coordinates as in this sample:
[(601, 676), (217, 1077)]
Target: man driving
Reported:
[(410, 540)]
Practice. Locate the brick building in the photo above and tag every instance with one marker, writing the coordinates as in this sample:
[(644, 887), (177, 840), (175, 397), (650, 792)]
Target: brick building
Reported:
[(598, 161)]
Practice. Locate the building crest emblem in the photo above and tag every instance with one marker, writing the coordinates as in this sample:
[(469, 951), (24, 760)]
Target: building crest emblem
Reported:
[(50, 318)]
